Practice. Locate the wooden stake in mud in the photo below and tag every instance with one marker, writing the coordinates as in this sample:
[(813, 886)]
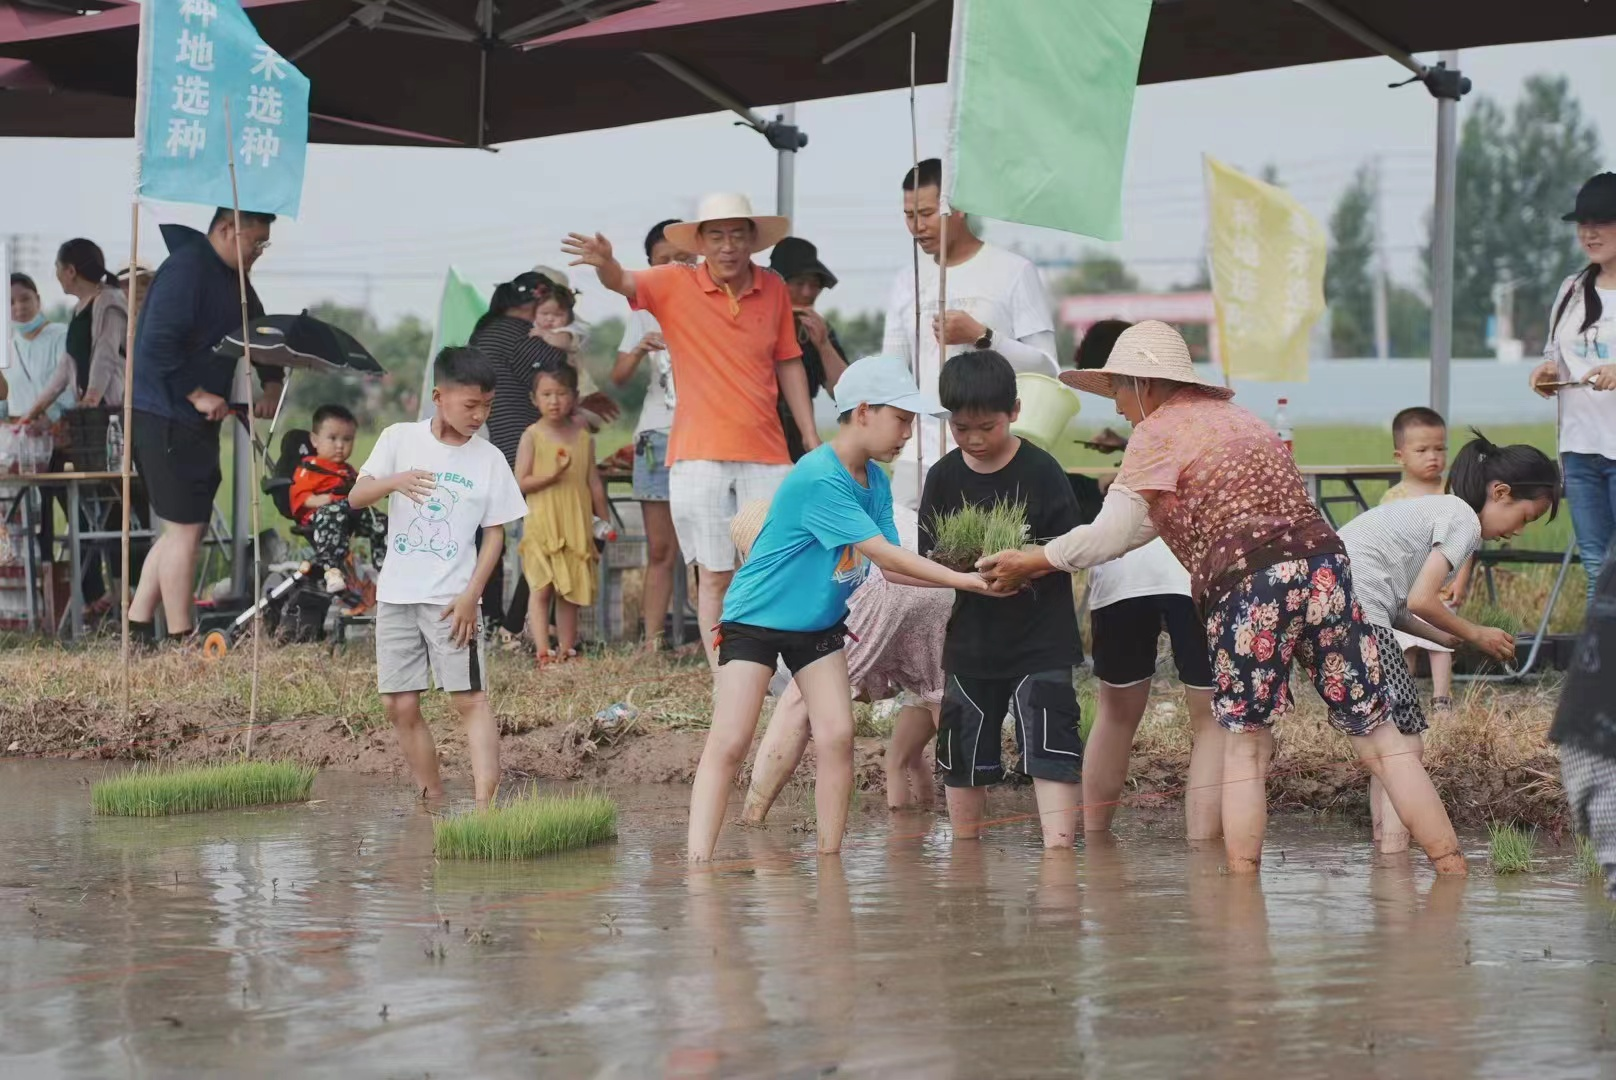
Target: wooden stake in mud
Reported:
[(914, 249), (252, 440), (127, 440)]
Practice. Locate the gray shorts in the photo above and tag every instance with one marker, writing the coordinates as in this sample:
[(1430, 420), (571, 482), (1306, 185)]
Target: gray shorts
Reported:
[(414, 641)]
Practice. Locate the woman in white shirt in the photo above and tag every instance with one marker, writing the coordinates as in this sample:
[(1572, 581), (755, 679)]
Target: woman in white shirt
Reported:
[(34, 351), (1578, 354)]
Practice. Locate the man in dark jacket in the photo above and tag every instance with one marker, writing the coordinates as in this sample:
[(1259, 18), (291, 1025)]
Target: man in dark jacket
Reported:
[(181, 398)]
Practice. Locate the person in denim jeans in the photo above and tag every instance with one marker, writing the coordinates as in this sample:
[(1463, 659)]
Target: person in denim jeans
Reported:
[(642, 342), (1578, 369)]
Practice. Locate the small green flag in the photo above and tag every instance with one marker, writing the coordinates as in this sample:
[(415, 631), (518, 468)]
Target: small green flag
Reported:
[(1042, 96), (459, 308)]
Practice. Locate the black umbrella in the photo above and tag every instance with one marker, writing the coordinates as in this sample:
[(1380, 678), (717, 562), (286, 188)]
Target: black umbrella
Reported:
[(302, 341)]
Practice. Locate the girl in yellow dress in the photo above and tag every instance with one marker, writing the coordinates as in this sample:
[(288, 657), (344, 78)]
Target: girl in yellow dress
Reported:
[(555, 467)]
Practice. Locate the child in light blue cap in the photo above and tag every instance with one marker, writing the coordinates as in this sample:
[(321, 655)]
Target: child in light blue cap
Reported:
[(830, 519)]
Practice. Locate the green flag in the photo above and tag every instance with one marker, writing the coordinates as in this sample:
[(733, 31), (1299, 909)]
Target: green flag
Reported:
[(459, 308), (1042, 95)]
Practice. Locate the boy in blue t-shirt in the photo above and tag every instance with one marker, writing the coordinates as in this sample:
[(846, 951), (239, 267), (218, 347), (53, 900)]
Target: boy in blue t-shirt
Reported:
[(830, 519)]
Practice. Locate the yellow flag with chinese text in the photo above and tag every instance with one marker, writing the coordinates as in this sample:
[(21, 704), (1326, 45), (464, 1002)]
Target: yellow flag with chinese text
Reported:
[(1267, 262)]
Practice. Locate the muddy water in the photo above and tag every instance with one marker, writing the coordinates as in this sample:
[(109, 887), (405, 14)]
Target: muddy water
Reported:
[(325, 941)]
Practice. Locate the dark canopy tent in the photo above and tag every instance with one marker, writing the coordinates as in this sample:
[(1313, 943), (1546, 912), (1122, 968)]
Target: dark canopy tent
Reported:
[(456, 71)]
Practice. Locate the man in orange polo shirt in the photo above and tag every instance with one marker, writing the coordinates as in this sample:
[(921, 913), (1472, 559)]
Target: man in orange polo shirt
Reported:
[(733, 346)]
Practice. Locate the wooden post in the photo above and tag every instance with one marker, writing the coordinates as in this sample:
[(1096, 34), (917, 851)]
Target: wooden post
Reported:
[(252, 441), (128, 433), (914, 249), (942, 314)]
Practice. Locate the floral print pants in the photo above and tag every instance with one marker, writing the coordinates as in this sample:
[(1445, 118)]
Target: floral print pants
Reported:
[(1301, 610)]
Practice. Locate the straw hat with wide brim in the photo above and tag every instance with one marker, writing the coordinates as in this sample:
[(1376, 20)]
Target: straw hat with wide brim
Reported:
[(727, 207), (1146, 350), (748, 522)]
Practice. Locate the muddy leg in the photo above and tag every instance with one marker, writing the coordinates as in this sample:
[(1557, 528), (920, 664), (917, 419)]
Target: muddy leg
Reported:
[(738, 696), (1384, 753), (1058, 806), (966, 808), (1105, 755), (908, 782), (414, 741), (778, 754), (1246, 755), (482, 742), (830, 713), (1203, 802)]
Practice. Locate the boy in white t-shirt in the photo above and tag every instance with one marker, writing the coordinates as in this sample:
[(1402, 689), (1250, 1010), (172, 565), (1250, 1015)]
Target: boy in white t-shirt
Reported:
[(441, 484), (1131, 601)]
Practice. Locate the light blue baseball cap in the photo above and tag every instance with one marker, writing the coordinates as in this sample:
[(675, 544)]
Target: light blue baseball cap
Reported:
[(883, 380)]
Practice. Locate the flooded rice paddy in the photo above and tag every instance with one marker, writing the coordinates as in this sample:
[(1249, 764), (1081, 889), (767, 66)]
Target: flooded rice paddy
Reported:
[(325, 940)]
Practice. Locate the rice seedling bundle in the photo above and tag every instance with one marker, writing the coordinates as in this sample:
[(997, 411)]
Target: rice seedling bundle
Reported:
[(1511, 848), (527, 827), (155, 792), (961, 538)]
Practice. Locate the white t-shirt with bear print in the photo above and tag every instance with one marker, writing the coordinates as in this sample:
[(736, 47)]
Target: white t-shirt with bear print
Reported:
[(432, 546)]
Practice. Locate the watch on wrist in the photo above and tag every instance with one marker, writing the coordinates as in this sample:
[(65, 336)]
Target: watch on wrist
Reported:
[(986, 340)]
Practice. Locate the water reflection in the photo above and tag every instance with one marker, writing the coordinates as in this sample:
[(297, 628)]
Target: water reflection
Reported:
[(325, 940)]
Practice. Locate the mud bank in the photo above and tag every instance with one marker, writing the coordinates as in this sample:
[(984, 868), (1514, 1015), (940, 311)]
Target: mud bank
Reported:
[(1482, 775)]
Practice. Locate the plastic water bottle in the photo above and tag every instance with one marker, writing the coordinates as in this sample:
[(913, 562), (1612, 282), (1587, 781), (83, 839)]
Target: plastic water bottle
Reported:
[(604, 530), (1282, 425)]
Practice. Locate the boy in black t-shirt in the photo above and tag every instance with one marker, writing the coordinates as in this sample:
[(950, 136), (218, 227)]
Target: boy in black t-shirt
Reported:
[(1012, 654)]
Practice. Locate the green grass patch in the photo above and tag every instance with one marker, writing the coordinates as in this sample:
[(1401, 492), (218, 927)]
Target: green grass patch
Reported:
[(1511, 848), (526, 827), (1587, 861), (153, 793), (961, 538)]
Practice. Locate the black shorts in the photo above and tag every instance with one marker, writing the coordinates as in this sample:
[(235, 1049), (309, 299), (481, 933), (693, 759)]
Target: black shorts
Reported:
[(180, 465), (1126, 634), (760, 645), (1046, 714)]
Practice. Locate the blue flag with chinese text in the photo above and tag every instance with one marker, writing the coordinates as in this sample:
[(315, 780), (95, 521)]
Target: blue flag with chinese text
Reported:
[(199, 58)]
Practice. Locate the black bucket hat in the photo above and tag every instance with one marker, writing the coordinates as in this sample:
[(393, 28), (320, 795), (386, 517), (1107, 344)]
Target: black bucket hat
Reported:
[(1596, 201), (794, 257)]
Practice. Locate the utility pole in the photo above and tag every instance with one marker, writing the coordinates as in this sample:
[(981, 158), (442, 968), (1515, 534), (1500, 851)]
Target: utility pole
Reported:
[(1382, 331)]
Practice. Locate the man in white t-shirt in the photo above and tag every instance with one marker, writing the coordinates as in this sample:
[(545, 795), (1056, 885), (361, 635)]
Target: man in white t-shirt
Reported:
[(442, 484), (996, 300)]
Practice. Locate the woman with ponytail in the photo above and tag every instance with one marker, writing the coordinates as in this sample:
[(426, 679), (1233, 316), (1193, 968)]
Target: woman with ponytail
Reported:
[(92, 362), (1580, 354), (1403, 555)]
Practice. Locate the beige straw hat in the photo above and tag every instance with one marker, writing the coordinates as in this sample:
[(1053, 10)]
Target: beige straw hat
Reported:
[(1146, 350), (748, 522), (725, 207)]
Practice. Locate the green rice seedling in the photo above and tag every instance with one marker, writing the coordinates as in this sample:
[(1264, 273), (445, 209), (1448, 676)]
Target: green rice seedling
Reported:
[(967, 534), (1512, 848), (531, 825), (155, 792), (1587, 863), (1486, 614)]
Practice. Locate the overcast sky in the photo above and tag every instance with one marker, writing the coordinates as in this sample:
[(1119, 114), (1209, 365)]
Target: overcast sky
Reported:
[(382, 225)]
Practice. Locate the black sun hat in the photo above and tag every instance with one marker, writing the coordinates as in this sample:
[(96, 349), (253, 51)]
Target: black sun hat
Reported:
[(794, 257), (1596, 202)]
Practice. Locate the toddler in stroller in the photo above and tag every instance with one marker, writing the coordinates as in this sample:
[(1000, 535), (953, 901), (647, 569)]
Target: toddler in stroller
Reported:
[(311, 486)]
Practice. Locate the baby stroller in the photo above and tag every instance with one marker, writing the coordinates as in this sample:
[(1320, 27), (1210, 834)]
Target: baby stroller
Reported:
[(294, 602)]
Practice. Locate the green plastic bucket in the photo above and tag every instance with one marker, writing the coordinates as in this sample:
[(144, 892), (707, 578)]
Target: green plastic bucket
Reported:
[(1047, 407)]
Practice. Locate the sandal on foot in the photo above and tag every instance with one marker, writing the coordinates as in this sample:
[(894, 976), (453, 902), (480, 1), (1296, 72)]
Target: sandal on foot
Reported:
[(1442, 705)]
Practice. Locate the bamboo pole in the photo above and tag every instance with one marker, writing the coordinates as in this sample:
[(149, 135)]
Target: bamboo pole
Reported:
[(942, 312), (128, 440), (252, 441), (914, 250)]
